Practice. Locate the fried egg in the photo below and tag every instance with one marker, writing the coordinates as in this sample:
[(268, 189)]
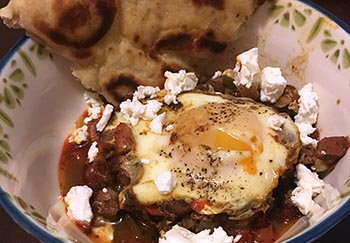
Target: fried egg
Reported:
[(220, 149)]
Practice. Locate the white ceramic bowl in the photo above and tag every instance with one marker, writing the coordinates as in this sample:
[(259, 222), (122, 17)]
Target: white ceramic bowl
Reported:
[(40, 100)]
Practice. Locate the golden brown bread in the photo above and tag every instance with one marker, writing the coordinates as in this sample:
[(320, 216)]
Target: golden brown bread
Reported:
[(116, 45)]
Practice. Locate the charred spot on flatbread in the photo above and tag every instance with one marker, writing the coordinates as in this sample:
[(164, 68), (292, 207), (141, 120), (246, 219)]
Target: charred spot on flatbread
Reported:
[(73, 27), (174, 41), (218, 4), (209, 42), (120, 86), (197, 41)]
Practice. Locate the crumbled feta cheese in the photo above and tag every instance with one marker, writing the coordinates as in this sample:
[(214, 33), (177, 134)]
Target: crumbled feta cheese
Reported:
[(272, 84), (305, 129), (81, 135), (178, 82), (312, 195), (276, 122), (78, 205), (152, 108), (93, 151), (179, 234), (143, 92), (95, 106), (135, 110), (247, 68), (157, 123), (237, 238), (217, 74), (106, 115), (104, 190), (132, 110), (302, 198), (145, 161), (169, 127), (308, 179), (165, 182), (307, 114)]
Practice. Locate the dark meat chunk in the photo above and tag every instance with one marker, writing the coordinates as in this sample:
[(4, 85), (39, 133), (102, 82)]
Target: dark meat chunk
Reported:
[(123, 177), (222, 84), (131, 166), (170, 209), (108, 150), (177, 207), (288, 102), (124, 139), (105, 203), (332, 149), (97, 174), (307, 155), (107, 136), (93, 134)]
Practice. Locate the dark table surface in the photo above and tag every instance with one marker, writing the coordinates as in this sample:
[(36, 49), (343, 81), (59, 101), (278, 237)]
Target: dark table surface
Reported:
[(12, 233)]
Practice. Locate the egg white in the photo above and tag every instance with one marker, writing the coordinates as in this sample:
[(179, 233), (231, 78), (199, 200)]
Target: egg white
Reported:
[(204, 170)]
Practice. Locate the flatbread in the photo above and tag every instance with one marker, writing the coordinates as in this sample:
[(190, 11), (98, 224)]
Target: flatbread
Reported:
[(114, 46)]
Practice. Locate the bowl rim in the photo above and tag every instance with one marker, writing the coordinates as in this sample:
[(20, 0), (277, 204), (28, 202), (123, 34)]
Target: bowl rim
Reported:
[(43, 236), (23, 221)]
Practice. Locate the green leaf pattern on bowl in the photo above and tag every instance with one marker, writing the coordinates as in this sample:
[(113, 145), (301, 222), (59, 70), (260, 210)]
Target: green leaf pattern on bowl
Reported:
[(288, 15), (12, 94), (28, 209)]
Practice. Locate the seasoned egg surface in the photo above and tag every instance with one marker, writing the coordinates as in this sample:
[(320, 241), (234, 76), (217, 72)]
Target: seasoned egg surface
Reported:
[(220, 149)]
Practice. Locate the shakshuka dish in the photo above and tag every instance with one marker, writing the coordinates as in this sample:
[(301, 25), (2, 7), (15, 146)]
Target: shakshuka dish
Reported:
[(236, 158)]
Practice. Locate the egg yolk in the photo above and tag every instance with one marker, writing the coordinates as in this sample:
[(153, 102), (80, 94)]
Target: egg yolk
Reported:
[(218, 139)]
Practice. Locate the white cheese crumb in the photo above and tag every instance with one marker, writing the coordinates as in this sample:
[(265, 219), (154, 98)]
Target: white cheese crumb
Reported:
[(93, 151), (151, 110), (169, 127), (165, 182), (95, 106), (308, 179), (178, 82), (272, 84), (145, 161), (302, 198), (276, 122), (246, 71), (106, 115), (237, 238), (104, 190), (78, 205), (312, 195), (144, 92), (133, 110), (157, 123), (179, 234), (217, 74), (80, 135), (307, 114)]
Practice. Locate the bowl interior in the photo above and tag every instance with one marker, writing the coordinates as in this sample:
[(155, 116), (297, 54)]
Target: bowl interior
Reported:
[(40, 101)]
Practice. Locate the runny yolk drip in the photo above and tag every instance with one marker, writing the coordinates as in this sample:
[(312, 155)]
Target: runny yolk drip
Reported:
[(218, 139), (249, 165)]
